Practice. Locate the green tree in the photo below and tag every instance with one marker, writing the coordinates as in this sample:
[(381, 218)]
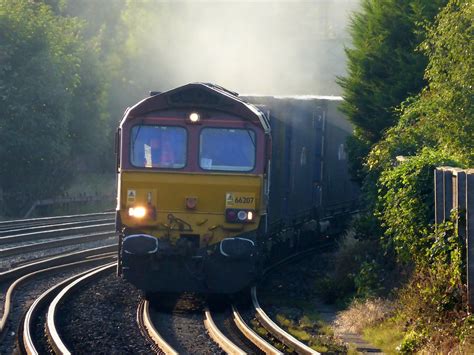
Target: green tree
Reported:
[(383, 67), (42, 60), (442, 116)]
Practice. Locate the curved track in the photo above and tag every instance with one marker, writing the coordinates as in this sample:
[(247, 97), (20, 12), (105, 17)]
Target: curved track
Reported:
[(226, 328), (52, 330), (148, 329), (26, 338), (9, 295), (249, 333), (276, 331)]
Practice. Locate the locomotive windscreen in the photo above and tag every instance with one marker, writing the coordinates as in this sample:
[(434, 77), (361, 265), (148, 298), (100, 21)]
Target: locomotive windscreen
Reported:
[(158, 147), (224, 149)]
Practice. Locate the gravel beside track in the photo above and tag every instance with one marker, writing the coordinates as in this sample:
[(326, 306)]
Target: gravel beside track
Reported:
[(27, 294), (181, 323), (101, 318)]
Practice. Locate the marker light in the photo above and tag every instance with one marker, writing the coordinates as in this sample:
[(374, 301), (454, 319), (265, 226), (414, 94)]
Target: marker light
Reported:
[(194, 117), (231, 215), (137, 212), (242, 215), (250, 215)]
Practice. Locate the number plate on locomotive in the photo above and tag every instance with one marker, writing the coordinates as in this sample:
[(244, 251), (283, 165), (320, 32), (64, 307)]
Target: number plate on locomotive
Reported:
[(240, 200)]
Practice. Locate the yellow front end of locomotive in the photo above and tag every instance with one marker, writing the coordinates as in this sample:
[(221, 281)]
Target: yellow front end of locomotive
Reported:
[(206, 207)]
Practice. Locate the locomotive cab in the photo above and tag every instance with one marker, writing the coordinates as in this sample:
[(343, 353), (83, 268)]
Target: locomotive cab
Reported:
[(192, 191)]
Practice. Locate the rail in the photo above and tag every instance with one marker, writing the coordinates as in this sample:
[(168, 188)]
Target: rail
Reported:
[(22, 279), (56, 341), (224, 342), (146, 324), (258, 341), (26, 339), (276, 331)]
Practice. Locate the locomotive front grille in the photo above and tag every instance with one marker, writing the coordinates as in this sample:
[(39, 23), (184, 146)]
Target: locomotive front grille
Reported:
[(188, 243)]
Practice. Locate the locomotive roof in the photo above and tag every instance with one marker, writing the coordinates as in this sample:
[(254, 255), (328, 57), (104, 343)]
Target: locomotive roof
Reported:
[(199, 95), (296, 97)]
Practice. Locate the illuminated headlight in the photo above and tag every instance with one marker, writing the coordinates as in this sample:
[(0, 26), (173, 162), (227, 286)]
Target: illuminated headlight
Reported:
[(249, 215), (242, 215), (137, 212), (194, 117)]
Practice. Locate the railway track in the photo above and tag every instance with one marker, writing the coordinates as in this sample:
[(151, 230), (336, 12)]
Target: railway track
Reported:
[(56, 220), (53, 332), (53, 227), (50, 244), (223, 322), (30, 339), (280, 334), (176, 324), (28, 269), (23, 284), (219, 327), (226, 327), (27, 238)]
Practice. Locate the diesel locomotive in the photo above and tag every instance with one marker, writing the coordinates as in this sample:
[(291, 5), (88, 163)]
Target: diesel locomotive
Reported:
[(212, 185)]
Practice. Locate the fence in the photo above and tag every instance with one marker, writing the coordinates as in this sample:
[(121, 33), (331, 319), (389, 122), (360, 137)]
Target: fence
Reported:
[(69, 200), (454, 190)]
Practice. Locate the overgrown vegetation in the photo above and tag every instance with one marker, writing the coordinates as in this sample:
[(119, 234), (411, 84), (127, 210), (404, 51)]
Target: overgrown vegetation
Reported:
[(431, 128)]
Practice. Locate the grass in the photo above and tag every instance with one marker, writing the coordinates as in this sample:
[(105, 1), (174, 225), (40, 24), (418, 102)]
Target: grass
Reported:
[(312, 330), (387, 336), (265, 334)]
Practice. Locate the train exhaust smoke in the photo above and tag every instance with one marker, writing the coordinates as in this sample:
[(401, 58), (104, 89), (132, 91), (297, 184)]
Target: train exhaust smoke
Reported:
[(257, 47)]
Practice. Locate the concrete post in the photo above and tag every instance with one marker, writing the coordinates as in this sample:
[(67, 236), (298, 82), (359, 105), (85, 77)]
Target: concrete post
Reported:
[(459, 192), (470, 237), (438, 194), (447, 193)]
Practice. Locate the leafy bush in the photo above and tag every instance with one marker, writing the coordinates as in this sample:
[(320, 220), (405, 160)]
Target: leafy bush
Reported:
[(406, 204)]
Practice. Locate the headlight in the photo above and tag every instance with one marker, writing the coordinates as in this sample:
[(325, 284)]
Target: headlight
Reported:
[(194, 117), (137, 212), (249, 215)]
